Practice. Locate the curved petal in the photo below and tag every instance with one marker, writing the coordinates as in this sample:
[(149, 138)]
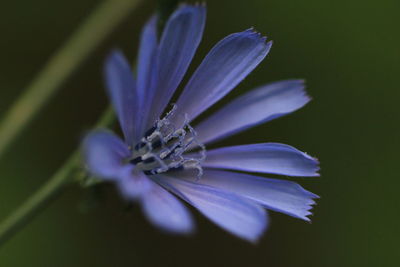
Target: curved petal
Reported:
[(122, 91), (104, 154), (258, 106), (178, 44), (166, 212), (235, 214), (278, 195), (265, 158), (227, 64)]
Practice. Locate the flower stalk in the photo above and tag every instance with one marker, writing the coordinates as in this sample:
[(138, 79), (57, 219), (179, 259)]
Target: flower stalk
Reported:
[(92, 32), (66, 174)]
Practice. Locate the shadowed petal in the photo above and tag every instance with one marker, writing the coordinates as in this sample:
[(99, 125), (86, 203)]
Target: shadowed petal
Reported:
[(104, 154), (122, 90), (231, 212), (278, 195), (178, 44), (227, 64), (258, 106), (266, 158), (166, 212)]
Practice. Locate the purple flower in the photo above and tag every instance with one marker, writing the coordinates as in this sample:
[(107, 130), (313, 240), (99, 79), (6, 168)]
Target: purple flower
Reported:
[(163, 156)]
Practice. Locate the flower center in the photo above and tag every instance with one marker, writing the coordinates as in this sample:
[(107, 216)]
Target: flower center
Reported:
[(164, 145)]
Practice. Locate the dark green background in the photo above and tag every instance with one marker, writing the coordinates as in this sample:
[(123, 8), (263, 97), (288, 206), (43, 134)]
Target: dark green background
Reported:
[(347, 50)]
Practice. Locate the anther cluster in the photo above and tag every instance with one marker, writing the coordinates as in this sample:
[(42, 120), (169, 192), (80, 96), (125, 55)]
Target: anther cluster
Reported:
[(163, 147)]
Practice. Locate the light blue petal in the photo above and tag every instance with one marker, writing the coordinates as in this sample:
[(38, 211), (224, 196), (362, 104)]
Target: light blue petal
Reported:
[(122, 91), (258, 106), (235, 214), (178, 44), (146, 58), (265, 158), (147, 69), (104, 154), (226, 65), (278, 195), (133, 183), (166, 212)]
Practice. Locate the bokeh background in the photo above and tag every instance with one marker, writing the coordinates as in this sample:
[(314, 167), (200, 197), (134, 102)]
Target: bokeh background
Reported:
[(347, 50)]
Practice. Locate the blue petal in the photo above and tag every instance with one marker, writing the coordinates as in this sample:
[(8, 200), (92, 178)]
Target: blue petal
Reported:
[(104, 154), (178, 44), (278, 195), (146, 58), (133, 184), (265, 158), (147, 69), (166, 212), (227, 64), (122, 91), (258, 106), (235, 214)]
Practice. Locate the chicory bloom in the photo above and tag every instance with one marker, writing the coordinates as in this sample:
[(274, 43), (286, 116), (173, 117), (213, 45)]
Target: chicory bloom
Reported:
[(163, 157)]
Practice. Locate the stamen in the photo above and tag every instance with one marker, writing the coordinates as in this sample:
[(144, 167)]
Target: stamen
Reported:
[(164, 145)]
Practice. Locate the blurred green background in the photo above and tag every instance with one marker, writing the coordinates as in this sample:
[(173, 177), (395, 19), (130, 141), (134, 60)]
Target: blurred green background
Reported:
[(347, 50)]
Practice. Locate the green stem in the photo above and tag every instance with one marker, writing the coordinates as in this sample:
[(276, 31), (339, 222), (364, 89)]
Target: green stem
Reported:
[(21, 216), (92, 32)]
